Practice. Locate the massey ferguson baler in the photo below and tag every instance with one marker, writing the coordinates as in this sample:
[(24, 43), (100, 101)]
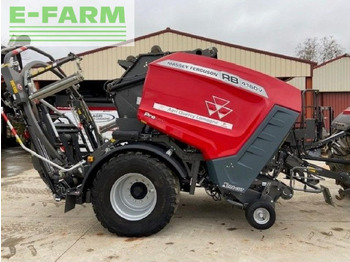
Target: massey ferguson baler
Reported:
[(186, 120), (237, 118)]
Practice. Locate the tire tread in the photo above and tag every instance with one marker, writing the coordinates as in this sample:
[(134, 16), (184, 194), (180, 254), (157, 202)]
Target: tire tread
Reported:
[(171, 180)]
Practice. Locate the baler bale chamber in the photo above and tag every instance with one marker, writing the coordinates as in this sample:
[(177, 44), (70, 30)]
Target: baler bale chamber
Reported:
[(215, 124), (127, 90)]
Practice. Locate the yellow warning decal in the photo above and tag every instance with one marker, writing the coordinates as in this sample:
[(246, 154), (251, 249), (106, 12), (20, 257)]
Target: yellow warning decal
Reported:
[(41, 69), (14, 88), (312, 170)]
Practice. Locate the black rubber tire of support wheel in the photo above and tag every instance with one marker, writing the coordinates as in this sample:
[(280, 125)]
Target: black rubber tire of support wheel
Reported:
[(342, 152), (249, 214), (165, 183)]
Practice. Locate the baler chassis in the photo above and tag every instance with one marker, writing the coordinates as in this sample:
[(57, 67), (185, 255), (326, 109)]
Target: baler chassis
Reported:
[(134, 178)]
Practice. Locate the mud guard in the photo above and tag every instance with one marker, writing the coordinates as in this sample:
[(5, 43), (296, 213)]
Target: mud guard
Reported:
[(152, 149)]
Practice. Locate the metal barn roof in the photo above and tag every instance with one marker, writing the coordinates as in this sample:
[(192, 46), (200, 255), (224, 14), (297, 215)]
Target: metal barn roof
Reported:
[(101, 63)]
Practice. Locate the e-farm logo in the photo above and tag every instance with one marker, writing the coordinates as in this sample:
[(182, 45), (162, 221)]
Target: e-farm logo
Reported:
[(69, 23)]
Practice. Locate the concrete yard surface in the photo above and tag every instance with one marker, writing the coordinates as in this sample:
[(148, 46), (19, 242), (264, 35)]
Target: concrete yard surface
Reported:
[(35, 228)]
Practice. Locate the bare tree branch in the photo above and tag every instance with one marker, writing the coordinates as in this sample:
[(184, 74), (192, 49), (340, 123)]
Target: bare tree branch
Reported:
[(308, 49), (319, 50)]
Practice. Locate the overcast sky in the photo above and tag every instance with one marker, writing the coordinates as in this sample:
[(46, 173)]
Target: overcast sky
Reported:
[(271, 25)]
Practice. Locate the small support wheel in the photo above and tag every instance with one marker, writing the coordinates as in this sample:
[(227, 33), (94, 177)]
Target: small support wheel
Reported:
[(260, 214)]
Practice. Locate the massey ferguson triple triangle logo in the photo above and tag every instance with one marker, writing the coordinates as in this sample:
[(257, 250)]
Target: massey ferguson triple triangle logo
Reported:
[(218, 106)]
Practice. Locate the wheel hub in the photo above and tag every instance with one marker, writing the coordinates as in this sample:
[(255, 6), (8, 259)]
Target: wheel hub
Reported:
[(133, 196), (261, 216), (138, 190)]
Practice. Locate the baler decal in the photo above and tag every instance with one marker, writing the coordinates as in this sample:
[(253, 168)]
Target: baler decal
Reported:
[(193, 116), (232, 187), (219, 75), (218, 106)]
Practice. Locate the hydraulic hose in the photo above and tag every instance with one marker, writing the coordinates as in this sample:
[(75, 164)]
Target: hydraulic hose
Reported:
[(81, 163)]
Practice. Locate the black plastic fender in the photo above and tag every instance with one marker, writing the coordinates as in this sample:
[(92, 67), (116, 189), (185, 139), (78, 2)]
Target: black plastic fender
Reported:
[(152, 149)]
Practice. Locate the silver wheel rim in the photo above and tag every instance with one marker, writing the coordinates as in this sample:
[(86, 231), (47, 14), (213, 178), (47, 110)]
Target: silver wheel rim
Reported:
[(133, 196), (261, 216)]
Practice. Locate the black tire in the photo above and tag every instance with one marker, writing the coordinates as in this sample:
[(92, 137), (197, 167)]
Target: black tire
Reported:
[(341, 151), (109, 202), (264, 208)]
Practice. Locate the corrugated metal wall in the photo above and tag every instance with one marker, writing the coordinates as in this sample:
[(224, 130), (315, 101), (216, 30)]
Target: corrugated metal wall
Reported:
[(333, 76), (298, 82), (102, 65), (338, 101)]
